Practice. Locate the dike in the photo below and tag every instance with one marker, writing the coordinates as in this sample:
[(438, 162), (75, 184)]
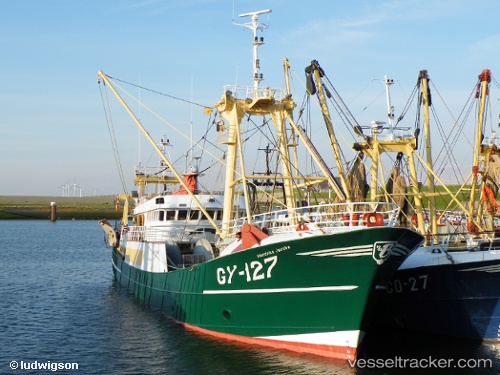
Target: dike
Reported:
[(68, 208)]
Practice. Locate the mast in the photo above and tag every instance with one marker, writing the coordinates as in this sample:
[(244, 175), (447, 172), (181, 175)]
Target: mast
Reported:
[(230, 110), (240, 102), (263, 99), (390, 108), (254, 25), (293, 135), (479, 149), (318, 73), (374, 146), (426, 102), (263, 102), (233, 110), (296, 129)]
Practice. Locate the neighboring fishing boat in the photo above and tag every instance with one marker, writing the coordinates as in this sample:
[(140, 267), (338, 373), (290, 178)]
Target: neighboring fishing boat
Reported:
[(300, 277), (168, 219), (449, 285)]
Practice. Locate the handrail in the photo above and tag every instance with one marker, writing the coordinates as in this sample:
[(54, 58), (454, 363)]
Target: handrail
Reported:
[(244, 92), (320, 216)]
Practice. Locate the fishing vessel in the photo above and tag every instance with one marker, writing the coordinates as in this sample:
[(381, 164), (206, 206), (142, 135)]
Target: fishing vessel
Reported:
[(448, 285), (295, 275), (176, 220)]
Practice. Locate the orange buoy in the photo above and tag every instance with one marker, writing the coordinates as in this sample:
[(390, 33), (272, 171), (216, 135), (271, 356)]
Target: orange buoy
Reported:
[(301, 227), (345, 219), (355, 220), (373, 219)]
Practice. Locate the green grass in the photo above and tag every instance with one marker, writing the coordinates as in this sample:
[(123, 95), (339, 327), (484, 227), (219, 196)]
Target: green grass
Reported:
[(442, 200), (24, 208), (65, 211)]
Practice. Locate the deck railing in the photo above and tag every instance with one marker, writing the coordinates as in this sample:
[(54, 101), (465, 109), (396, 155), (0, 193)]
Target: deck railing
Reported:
[(249, 92), (164, 233), (323, 216)]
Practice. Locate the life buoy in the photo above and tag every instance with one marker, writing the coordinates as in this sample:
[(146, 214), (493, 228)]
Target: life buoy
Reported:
[(373, 219), (301, 227)]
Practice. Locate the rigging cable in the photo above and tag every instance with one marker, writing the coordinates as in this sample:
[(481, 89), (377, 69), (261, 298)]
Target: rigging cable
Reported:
[(407, 106), (448, 155), (161, 119), (114, 145), (158, 92)]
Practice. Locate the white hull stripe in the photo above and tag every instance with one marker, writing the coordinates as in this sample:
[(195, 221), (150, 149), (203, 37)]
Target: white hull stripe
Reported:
[(490, 269), (283, 290), (330, 252), (352, 255), (342, 253), (338, 338), (355, 251)]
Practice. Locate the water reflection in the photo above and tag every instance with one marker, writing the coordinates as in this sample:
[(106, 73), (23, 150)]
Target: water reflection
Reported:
[(59, 302)]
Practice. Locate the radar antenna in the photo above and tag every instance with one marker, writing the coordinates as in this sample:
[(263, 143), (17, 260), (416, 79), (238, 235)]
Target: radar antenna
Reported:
[(255, 25)]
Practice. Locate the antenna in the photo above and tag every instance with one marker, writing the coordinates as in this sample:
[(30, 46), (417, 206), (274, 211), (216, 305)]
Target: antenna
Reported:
[(139, 115), (255, 25), (390, 107), (191, 122)]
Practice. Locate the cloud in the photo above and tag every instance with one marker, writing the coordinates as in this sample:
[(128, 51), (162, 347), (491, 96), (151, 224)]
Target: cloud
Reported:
[(369, 17)]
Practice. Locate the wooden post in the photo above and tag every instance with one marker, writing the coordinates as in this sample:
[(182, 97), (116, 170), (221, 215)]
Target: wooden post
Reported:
[(53, 211)]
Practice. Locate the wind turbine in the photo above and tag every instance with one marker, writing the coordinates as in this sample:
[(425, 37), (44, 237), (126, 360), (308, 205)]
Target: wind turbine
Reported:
[(75, 186), (65, 189)]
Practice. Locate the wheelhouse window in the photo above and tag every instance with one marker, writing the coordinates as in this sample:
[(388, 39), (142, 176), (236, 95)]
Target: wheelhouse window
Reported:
[(170, 215), (161, 215), (211, 213), (194, 214), (182, 214)]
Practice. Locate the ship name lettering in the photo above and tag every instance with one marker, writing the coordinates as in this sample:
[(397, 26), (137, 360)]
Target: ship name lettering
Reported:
[(254, 271), (412, 284), (221, 275), (280, 249), (267, 253), (273, 260)]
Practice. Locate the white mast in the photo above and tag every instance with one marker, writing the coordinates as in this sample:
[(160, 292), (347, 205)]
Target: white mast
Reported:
[(390, 107), (257, 42)]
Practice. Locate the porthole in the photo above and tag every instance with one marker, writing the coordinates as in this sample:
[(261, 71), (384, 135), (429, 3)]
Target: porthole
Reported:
[(227, 315)]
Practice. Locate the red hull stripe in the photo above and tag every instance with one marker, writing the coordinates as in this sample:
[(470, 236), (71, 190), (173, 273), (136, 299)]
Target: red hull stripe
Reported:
[(339, 352)]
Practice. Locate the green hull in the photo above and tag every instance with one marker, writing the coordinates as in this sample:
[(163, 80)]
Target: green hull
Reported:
[(287, 291)]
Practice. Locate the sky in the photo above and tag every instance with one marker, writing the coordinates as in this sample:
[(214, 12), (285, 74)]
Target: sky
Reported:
[(53, 129)]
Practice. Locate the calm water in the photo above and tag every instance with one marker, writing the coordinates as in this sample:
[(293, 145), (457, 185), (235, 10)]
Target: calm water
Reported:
[(59, 305)]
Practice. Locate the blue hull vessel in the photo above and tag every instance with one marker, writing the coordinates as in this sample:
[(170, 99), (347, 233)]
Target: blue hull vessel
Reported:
[(454, 294)]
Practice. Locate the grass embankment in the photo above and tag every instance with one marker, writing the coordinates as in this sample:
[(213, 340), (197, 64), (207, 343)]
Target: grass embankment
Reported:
[(96, 208), (68, 208), (443, 200)]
